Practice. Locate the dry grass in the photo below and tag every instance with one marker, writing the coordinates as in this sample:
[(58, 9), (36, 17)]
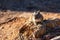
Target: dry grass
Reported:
[(17, 24)]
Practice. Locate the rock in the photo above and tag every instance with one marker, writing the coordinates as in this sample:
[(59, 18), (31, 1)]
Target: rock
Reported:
[(57, 22), (50, 24)]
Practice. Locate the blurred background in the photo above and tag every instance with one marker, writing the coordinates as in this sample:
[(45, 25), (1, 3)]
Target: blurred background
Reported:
[(30, 5)]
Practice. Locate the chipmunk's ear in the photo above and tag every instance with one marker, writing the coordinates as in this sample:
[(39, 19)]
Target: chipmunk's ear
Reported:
[(36, 12), (39, 12)]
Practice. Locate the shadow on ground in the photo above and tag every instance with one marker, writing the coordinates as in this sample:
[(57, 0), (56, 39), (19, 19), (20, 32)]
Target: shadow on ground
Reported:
[(30, 5)]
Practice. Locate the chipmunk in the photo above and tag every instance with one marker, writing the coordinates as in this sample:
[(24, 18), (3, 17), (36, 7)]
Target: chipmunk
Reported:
[(37, 17)]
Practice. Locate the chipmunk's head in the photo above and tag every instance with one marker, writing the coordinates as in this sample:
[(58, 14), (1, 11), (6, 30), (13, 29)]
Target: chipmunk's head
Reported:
[(36, 12), (38, 16)]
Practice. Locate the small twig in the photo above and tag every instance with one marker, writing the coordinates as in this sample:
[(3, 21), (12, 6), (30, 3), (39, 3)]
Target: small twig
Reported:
[(56, 38)]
